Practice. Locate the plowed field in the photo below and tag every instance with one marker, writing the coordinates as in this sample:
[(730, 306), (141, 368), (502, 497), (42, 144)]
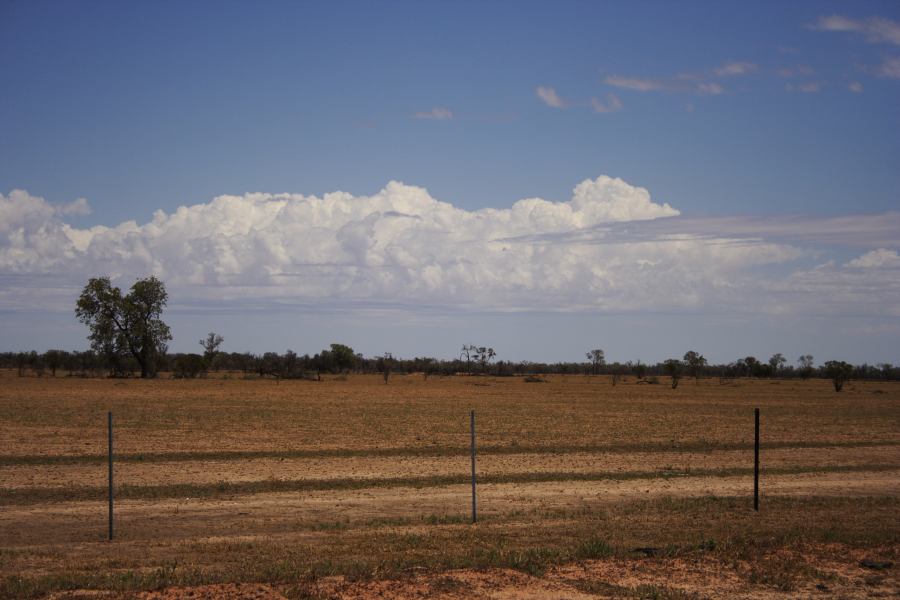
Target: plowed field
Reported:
[(351, 487)]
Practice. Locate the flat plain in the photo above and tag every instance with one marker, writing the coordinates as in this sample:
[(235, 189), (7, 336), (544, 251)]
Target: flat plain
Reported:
[(350, 487)]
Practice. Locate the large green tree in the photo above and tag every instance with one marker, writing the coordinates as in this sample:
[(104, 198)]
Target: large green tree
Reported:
[(129, 324)]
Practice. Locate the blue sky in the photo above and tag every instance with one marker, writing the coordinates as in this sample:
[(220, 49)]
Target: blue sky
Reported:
[(718, 109)]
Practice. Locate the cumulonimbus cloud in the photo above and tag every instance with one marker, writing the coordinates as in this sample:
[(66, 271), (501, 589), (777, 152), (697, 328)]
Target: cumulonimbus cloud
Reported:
[(610, 247)]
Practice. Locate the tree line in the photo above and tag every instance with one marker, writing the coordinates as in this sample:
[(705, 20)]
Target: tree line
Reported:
[(340, 358), (128, 337)]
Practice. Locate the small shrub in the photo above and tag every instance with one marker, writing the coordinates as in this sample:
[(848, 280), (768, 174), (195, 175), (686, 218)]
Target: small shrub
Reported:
[(839, 372), (593, 548)]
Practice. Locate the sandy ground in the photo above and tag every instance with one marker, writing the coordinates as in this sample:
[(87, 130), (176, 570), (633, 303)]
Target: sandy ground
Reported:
[(617, 578), (68, 417), (277, 513), (214, 471), (596, 579)]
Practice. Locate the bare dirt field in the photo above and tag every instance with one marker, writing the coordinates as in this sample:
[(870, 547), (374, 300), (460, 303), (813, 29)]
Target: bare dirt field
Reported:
[(351, 488)]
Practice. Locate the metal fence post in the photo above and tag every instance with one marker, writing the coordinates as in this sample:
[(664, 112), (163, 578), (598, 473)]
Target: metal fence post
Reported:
[(110, 422), (756, 462), (474, 505)]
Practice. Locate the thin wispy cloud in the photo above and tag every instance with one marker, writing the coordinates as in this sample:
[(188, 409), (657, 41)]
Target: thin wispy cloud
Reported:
[(809, 87), (700, 83), (855, 87), (890, 68), (549, 97), (797, 71), (437, 113), (635, 84), (612, 104), (733, 69), (710, 88), (875, 30), (684, 84)]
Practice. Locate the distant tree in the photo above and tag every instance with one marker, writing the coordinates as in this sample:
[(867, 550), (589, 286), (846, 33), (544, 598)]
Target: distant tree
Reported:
[(126, 324), (695, 363), (37, 364), (752, 366), (211, 347), (54, 359), (384, 364), (617, 371), (776, 363), (483, 356), (673, 368), (290, 364), (839, 372), (639, 369), (343, 357), (865, 371), (806, 366), (270, 363), (466, 354), (22, 362), (88, 363), (188, 366), (596, 357), (887, 371)]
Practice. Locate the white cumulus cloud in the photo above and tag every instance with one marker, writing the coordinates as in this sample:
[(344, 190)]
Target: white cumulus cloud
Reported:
[(609, 247), (877, 259)]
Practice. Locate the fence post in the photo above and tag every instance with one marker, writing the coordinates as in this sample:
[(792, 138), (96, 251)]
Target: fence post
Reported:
[(474, 511), (110, 422), (756, 462)]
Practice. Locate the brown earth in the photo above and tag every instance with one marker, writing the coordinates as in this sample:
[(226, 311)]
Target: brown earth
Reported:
[(587, 580), (68, 415), (378, 538), (262, 516), (356, 467)]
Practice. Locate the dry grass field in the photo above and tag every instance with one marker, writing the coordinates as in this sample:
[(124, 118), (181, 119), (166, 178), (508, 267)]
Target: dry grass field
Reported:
[(352, 488)]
